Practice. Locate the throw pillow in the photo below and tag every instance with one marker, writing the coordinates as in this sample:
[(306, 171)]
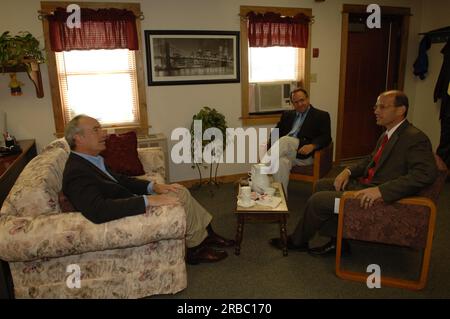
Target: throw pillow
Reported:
[(121, 154)]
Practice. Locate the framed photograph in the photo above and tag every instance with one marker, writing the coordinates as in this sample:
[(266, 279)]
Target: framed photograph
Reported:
[(192, 57)]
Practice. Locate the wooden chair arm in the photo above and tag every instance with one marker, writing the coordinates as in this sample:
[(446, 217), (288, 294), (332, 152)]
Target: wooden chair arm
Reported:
[(323, 161), (412, 200)]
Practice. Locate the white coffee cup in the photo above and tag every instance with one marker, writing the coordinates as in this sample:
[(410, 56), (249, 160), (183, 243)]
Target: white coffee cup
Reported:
[(246, 192), (269, 191)]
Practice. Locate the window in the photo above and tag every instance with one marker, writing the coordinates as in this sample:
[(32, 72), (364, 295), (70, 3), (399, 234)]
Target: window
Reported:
[(99, 83), (283, 64), (269, 74), (105, 84), (270, 84)]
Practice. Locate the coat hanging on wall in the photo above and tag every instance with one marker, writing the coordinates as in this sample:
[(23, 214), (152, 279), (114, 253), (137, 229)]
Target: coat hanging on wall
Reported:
[(442, 91), (435, 36), (421, 63)]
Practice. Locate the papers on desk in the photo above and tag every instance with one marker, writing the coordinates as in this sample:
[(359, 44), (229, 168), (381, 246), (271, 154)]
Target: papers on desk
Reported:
[(270, 201)]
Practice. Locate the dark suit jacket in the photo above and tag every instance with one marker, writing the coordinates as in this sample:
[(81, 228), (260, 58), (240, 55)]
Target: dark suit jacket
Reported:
[(316, 128), (97, 196), (406, 166)]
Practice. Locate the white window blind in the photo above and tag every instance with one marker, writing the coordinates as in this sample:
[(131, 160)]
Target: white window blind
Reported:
[(99, 83), (274, 64)]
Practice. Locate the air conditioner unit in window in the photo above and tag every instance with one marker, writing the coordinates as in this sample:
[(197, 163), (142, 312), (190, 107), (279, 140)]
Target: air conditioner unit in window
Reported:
[(270, 96)]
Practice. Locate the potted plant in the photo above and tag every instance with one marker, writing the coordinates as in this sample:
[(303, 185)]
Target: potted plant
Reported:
[(20, 50), (210, 118)]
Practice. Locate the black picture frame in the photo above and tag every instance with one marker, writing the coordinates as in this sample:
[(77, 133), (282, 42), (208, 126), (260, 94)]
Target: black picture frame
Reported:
[(196, 57)]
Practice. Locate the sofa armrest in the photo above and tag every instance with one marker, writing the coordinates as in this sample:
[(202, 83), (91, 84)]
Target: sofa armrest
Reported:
[(152, 159), (408, 222), (57, 235)]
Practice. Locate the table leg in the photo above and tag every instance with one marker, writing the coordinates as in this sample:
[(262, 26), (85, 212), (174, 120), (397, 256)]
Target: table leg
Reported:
[(283, 234), (239, 235)]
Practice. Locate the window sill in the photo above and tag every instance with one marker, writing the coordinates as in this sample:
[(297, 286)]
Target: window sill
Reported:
[(251, 120)]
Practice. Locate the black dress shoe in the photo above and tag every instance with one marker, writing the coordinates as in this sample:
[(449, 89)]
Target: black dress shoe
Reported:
[(204, 254), (216, 240), (278, 243), (330, 249)]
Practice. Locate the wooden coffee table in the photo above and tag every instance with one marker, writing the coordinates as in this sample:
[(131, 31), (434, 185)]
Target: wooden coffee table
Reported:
[(265, 214)]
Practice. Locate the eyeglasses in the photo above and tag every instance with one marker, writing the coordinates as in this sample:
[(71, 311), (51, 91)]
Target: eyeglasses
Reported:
[(382, 107), (298, 101)]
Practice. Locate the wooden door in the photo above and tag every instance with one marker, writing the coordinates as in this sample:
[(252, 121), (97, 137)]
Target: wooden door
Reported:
[(373, 60)]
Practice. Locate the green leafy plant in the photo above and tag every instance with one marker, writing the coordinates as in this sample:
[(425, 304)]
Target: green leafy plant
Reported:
[(210, 118), (22, 49)]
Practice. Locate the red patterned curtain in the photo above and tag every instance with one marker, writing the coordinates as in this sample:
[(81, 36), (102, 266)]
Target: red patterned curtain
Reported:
[(271, 29), (100, 29)]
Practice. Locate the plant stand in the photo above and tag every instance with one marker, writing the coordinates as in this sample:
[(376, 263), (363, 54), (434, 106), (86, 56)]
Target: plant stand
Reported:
[(207, 118), (33, 72), (212, 180)]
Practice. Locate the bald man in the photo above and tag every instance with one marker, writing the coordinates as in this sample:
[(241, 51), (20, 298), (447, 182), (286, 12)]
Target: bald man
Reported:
[(401, 164)]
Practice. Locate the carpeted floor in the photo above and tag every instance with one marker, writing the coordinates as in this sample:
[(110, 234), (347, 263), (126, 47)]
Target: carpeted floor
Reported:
[(262, 272)]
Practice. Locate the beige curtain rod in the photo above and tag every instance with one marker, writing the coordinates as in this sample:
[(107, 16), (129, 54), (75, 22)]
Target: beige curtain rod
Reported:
[(44, 14)]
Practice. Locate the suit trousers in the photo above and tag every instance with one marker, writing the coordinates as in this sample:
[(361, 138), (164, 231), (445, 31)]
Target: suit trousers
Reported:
[(197, 218), (288, 146), (319, 209)]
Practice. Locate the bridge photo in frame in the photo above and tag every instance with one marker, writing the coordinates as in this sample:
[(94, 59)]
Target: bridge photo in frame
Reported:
[(192, 57)]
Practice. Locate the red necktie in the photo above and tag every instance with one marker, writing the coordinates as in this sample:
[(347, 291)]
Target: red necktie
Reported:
[(375, 160)]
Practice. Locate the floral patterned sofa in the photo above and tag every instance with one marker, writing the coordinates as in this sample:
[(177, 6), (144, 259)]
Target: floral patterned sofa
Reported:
[(132, 257)]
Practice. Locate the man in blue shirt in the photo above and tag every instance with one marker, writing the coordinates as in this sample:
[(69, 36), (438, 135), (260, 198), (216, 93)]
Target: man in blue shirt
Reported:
[(302, 131), (102, 195)]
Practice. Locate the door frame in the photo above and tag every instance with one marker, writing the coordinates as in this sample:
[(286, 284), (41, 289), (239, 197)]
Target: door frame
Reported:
[(354, 8)]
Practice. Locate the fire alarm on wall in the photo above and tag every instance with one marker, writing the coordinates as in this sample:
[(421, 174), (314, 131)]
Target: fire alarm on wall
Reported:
[(315, 52)]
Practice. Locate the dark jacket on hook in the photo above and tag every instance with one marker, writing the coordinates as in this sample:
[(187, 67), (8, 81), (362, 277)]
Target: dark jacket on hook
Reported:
[(441, 92), (444, 76), (421, 63)]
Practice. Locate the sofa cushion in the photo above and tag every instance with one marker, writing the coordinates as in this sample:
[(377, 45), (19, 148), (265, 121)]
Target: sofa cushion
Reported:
[(59, 143), (121, 154), (153, 161), (36, 189)]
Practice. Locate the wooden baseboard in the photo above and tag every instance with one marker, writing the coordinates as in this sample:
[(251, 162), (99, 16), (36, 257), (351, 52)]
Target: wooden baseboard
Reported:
[(220, 179)]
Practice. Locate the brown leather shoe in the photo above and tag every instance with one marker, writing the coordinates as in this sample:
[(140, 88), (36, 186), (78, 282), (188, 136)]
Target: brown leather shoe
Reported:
[(204, 254), (216, 240), (330, 248), (277, 243)]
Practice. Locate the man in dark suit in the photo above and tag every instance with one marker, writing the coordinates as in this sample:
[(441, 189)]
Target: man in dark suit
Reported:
[(401, 165), (302, 131), (102, 195)]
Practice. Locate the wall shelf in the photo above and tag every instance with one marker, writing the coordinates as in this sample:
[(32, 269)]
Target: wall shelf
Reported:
[(34, 74)]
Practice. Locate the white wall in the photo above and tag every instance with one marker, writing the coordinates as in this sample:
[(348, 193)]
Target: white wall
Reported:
[(28, 116), (426, 112), (173, 106)]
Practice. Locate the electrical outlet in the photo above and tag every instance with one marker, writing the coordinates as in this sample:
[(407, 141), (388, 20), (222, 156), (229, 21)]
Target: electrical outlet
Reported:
[(313, 78)]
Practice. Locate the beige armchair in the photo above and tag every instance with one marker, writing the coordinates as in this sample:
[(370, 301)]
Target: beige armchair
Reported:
[(132, 257)]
